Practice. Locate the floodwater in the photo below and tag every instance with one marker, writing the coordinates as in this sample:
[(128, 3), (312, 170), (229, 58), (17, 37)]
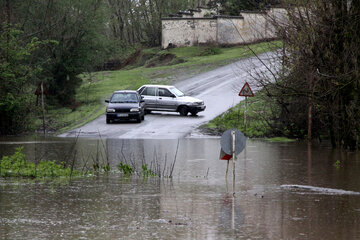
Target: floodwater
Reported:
[(282, 191)]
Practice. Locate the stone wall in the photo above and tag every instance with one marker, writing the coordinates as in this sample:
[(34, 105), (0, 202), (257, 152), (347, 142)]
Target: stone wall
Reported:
[(182, 32), (219, 30)]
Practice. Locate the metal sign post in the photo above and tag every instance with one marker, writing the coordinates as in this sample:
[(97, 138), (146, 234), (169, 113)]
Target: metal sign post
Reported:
[(246, 92), (233, 158), (245, 113), (232, 143)]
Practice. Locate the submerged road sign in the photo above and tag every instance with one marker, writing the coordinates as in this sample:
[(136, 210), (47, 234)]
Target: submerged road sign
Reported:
[(226, 142), (232, 143), (246, 91)]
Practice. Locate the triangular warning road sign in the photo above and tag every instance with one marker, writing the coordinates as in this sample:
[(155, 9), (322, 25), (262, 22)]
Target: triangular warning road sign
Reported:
[(246, 91)]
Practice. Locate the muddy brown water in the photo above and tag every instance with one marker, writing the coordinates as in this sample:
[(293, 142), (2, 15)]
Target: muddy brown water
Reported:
[(282, 191)]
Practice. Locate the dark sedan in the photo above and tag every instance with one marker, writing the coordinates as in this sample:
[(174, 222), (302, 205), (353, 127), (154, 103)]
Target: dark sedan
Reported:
[(125, 105)]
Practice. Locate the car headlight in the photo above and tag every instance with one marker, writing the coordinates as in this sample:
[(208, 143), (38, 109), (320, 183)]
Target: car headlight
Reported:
[(134, 109), (110, 110)]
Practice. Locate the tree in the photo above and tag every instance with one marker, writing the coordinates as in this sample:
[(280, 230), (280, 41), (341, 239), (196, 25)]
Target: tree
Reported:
[(318, 85), (17, 75), (139, 22), (234, 7), (78, 27)]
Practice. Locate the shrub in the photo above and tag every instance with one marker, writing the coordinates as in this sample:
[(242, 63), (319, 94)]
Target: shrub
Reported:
[(17, 166)]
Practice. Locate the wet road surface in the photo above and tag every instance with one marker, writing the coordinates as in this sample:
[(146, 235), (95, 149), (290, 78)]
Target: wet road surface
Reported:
[(218, 88)]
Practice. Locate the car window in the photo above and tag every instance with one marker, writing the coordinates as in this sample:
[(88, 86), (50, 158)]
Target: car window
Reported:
[(149, 91), (163, 92), (140, 90), (124, 98), (177, 92)]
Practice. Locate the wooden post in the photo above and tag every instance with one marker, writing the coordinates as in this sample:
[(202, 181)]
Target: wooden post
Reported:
[(43, 106), (233, 159), (226, 175)]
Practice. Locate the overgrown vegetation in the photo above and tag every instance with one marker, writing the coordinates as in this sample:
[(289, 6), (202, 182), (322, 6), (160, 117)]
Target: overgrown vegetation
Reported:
[(234, 7), (317, 88), (257, 122), (17, 166), (17, 74)]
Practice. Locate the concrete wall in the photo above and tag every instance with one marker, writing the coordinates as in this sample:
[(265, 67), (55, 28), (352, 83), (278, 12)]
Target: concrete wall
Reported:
[(220, 30), (188, 32), (228, 30)]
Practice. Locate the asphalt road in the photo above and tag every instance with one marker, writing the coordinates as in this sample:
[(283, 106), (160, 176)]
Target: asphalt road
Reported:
[(218, 88)]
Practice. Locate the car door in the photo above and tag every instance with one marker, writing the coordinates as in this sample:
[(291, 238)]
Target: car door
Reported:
[(150, 98), (166, 100)]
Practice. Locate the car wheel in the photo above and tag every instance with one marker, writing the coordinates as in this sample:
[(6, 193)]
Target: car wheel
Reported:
[(107, 121), (194, 113), (183, 111), (138, 120), (143, 117)]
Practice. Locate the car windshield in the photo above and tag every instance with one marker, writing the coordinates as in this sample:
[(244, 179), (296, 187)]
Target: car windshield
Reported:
[(177, 92), (124, 98)]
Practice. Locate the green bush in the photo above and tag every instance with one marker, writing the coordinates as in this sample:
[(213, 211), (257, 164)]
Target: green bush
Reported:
[(17, 166), (126, 169)]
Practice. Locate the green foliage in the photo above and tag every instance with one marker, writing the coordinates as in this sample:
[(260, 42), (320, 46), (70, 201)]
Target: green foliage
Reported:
[(17, 74), (337, 164), (17, 166), (80, 52), (210, 51), (147, 172), (126, 169), (79, 29), (257, 124), (106, 168)]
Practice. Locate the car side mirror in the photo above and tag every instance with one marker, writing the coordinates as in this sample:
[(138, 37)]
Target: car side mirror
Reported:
[(107, 100), (173, 96)]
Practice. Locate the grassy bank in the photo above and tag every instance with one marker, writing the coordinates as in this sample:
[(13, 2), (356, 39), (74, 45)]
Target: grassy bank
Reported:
[(256, 125), (185, 63), (257, 120)]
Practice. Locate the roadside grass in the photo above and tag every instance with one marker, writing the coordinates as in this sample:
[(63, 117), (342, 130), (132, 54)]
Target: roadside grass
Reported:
[(98, 86), (256, 125), (258, 120)]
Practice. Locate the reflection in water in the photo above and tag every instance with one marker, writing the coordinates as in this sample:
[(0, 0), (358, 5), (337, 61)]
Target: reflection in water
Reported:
[(194, 204), (231, 215)]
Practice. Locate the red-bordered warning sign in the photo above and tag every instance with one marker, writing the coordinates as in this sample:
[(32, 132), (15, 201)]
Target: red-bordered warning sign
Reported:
[(246, 91)]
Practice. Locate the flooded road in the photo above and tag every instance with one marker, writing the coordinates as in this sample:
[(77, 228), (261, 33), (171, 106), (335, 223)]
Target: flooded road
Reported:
[(283, 191)]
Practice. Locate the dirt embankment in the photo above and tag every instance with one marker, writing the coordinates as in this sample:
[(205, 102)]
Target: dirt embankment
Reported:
[(139, 58)]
